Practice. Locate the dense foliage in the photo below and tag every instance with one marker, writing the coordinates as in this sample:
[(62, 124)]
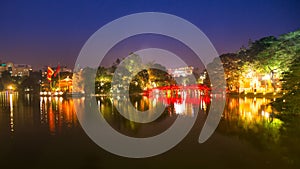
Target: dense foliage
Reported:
[(271, 56)]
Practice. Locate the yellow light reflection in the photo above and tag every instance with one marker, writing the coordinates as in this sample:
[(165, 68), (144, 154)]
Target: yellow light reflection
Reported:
[(57, 113), (11, 106), (252, 114)]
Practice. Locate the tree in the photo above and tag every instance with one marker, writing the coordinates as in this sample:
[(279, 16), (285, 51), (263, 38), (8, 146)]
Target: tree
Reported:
[(31, 82), (292, 78), (6, 79), (103, 80)]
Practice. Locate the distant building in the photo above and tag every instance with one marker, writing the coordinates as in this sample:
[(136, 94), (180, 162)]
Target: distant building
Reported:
[(2, 67), (181, 72), (21, 70), (15, 69)]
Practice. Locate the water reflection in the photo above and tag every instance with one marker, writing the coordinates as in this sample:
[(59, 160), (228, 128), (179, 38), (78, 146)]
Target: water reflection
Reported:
[(11, 107), (57, 113), (252, 119), (242, 115), (250, 110), (25, 112), (183, 102), (181, 105)]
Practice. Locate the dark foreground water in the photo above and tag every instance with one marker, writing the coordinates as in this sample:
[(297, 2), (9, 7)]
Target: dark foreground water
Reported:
[(45, 133)]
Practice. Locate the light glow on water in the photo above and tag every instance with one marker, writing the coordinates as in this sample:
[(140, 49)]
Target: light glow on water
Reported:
[(11, 107)]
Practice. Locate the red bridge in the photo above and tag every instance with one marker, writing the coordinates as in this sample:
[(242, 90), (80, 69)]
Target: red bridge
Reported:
[(177, 94), (196, 87)]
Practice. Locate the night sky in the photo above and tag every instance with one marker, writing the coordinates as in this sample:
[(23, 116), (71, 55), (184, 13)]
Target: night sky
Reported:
[(47, 32)]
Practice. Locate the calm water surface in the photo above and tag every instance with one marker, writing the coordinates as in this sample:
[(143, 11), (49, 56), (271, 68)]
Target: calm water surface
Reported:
[(43, 132)]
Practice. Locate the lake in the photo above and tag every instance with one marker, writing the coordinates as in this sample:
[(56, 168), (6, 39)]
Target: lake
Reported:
[(44, 132)]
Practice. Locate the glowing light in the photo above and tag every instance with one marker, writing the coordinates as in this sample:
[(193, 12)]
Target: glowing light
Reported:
[(267, 115), (11, 113), (136, 104), (266, 77), (10, 87), (153, 84), (179, 108), (168, 93)]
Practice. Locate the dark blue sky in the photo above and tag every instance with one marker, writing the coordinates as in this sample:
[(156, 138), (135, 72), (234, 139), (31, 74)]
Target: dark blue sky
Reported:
[(46, 32)]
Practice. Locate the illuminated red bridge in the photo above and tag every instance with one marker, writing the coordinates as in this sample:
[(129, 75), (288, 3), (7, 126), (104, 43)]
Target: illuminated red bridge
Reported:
[(193, 94), (175, 88)]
